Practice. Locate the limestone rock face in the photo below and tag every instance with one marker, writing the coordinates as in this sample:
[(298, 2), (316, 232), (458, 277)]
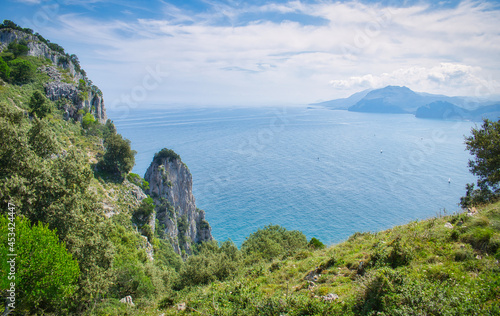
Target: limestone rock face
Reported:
[(171, 186), (57, 89)]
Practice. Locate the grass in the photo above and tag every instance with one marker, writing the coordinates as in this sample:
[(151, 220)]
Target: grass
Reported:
[(420, 268)]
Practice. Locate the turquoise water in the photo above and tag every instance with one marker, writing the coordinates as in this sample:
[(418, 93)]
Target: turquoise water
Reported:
[(326, 173)]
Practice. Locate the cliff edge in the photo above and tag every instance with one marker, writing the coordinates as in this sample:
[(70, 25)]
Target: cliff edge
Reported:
[(171, 187), (68, 82)]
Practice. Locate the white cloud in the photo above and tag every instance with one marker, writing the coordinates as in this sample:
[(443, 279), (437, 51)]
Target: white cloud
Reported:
[(448, 51), (30, 1), (446, 78)]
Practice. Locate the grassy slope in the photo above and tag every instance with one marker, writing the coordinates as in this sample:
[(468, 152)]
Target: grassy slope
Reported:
[(422, 268)]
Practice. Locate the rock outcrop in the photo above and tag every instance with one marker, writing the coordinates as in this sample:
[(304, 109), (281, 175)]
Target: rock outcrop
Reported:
[(171, 186), (59, 88)]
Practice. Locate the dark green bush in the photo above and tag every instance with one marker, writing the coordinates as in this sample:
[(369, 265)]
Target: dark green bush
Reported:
[(4, 70), (119, 158), (45, 274), (39, 105), (273, 241), (315, 243), (21, 71), (166, 153)]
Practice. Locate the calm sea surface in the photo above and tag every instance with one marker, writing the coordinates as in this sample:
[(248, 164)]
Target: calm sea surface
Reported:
[(326, 173)]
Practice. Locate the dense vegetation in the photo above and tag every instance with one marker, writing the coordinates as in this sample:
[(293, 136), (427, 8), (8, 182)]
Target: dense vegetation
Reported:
[(484, 145), (82, 239)]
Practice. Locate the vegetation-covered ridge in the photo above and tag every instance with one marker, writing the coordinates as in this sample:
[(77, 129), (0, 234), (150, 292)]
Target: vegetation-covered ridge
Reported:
[(30, 59)]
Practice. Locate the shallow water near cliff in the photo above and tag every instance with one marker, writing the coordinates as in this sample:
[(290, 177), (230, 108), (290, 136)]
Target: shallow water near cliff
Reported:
[(326, 173)]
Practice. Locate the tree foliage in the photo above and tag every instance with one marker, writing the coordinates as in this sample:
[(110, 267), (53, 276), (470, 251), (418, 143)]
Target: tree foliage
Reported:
[(212, 262), (45, 273), (18, 48), (4, 70), (166, 153), (22, 71), (273, 241), (484, 145), (39, 105), (119, 158)]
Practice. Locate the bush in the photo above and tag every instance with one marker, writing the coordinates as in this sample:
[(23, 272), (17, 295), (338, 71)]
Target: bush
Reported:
[(119, 157), (137, 180), (212, 262), (22, 71), (166, 153), (273, 241), (144, 211), (45, 274), (88, 120), (18, 49), (4, 70), (39, 105), (315, 243)]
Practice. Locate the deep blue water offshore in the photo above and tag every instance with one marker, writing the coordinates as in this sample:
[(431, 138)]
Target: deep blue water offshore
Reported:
[(326, 173)]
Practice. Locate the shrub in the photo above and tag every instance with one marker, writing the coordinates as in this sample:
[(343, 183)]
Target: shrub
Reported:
[(119, 157), (22, 71), (166, 153), (39, 105), (4, 70), (18, 49), (88, 120), (45, 274), (144, 211), (273, 241), (315, 243)]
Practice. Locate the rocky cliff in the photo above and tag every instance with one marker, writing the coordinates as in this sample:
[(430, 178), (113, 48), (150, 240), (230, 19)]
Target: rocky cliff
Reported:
[(74, 89), (178, 218)]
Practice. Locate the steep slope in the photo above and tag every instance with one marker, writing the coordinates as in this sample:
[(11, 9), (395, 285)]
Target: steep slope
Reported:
[(171, 187), (68, 83), (447, 265)]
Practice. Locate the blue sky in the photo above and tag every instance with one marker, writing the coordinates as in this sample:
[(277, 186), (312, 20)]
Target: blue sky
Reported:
[(243, 53)]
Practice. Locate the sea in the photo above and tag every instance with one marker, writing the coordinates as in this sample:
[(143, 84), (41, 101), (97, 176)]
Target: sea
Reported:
[(326, 173)]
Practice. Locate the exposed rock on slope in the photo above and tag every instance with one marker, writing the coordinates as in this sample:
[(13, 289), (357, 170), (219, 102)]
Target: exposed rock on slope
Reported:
[(171, 186), (79, 97)]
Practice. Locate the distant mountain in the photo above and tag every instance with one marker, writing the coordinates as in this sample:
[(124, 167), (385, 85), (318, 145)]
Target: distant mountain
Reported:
[(391, 99), (344, 103), (448, 111), (402, 100), (441, 110)]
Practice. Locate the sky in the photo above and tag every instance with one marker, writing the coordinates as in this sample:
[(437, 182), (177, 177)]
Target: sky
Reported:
[(257, 53)]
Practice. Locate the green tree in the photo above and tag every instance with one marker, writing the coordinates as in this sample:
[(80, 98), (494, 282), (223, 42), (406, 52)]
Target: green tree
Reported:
[(18, 49), (45, 273), (119, 157), (484, 145), (39, 105), (4, 70), (22, 71), (42, 139), (88, 120), (144, 211)]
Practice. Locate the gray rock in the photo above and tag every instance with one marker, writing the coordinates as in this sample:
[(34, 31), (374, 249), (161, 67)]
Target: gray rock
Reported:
[(56, 89), (170, 180), (127, 300), (330, 297)]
